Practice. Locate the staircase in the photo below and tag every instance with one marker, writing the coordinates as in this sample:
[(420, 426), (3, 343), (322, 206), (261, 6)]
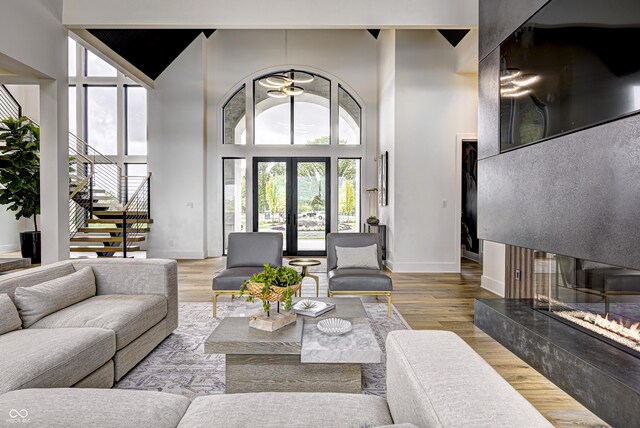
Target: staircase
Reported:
[(109, 213)]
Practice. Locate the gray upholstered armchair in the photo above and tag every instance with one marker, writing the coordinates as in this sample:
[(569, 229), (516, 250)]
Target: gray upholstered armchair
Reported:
[(247, 254), (356, 281)]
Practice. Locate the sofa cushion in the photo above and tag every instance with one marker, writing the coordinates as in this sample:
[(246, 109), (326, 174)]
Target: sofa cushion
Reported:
[(129, 316), (286, 409), (9, 318), (38, 358), (358, 257), (434, 379), (38, 301), (232, 278), (359, 279), (114, 408), (34, 276)]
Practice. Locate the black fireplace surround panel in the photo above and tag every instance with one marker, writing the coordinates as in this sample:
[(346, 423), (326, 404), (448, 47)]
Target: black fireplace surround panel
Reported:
[(566, 69), (603, 378)]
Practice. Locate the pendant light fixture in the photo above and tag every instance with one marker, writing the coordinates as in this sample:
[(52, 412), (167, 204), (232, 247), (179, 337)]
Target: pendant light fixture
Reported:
[(285, 84)]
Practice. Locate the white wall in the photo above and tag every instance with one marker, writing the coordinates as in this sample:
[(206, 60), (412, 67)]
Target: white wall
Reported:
[(176, 157), (224, 14), (432, 105), (386, 126), (34, 48), (235, 56), (493, 267)]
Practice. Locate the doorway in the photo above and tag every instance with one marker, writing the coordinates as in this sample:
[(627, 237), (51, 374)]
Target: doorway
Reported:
[(291, 195), (471, 245)]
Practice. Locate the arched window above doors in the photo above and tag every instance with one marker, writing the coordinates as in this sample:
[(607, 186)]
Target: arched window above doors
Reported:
[(304, 119)]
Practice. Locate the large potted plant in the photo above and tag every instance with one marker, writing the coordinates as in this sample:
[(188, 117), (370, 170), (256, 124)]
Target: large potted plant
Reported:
[(273, 285), (20, 177)]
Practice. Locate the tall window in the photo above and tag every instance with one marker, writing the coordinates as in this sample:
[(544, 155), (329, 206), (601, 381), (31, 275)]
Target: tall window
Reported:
[(283, 126), (234, 173), (108, 110), (102, 111), (348, 195)]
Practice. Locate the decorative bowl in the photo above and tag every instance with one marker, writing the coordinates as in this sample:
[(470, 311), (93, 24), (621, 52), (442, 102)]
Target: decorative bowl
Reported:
[(309, 305), (334, 326), (373, 221)]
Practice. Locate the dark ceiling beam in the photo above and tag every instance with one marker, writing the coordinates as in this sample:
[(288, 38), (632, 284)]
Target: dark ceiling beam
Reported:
[(454, 36), (374, 33), (150, 51)]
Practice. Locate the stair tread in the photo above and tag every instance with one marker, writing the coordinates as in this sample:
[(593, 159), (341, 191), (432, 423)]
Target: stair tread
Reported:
[(121, 213), (130, 220), (96, 249), (106, 239), (114, 229)]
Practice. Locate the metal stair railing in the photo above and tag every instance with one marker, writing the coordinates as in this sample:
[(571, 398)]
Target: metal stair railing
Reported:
[(138, 208), (78, 213), (9, 106)]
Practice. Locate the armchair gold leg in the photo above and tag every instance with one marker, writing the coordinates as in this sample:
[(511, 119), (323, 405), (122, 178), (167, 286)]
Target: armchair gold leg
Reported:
[(389, 305), (215, 301)]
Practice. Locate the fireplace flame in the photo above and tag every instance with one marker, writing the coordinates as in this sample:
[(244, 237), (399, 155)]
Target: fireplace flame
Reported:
[(614, 326), (618, 330)]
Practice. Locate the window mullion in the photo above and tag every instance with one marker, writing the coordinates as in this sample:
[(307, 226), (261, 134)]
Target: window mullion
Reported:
[(292, 132), (334, 114)]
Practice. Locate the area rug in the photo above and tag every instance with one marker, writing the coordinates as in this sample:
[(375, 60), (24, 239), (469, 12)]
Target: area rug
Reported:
[(180, 366)]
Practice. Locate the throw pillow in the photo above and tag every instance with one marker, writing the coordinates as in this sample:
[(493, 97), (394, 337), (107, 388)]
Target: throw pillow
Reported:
[(358, 257), (9, 318), (38, 301)]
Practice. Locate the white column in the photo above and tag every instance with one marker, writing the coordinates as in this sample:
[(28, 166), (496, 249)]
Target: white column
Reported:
[(54, 170)]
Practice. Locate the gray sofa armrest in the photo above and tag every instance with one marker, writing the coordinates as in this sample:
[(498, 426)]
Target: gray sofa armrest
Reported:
[(137, 276), (435, 379)]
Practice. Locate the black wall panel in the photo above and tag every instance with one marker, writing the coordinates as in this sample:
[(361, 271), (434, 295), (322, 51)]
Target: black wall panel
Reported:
[(577, 195), (500, 18), (489, 106)]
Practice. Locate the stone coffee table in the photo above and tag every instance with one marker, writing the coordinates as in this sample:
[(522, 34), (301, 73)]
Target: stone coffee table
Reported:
[(298, 357)]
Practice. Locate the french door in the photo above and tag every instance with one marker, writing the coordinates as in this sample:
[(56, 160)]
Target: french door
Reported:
[(291, 196)]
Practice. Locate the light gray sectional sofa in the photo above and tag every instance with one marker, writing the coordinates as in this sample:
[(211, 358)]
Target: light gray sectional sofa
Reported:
[(83, 323), (434, 379)]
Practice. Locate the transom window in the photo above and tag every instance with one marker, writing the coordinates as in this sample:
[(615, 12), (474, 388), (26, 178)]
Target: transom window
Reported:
[(303, 119)]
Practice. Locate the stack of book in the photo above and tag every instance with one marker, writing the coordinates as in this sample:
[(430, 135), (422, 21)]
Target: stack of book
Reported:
[(312, 308)]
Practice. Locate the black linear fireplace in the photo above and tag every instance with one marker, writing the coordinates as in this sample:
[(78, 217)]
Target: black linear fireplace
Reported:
[(580, 329), (599, 299)]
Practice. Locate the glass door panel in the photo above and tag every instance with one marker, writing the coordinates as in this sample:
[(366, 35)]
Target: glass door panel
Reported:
[(310, 219), (272, 196), (290, 196)]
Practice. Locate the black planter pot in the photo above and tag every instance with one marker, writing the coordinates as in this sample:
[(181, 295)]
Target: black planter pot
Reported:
[(30, 246)]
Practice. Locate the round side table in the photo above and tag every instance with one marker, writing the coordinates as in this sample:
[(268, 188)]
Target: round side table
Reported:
[(305, 264)]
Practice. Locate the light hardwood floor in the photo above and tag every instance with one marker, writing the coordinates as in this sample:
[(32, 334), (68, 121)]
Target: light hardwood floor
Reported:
[(434, 301)]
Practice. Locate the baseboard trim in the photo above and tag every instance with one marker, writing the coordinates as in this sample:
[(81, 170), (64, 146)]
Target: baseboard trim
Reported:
[(425, 267), (9, 248), (490, 284), (178, 255)]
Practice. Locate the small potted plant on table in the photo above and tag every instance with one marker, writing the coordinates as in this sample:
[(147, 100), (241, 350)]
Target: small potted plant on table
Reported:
[(272, 285)]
